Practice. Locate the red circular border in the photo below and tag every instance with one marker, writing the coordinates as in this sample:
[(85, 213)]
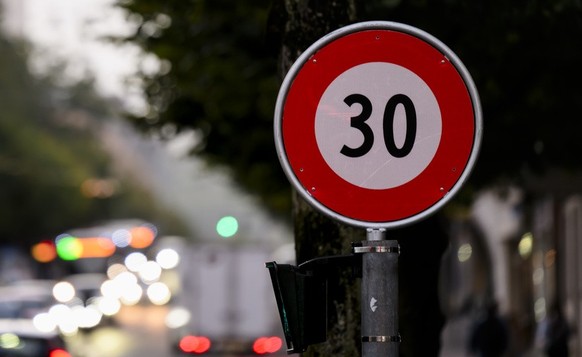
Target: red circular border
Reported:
[(298, 126)]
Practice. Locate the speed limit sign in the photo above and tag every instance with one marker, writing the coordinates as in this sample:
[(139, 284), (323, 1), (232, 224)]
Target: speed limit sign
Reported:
[(378, 124)]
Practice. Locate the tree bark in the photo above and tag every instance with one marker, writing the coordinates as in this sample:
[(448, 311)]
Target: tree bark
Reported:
[(318, 236), (297, 24)]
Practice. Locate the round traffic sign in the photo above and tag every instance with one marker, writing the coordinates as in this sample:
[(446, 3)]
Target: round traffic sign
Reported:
[(378, 124)]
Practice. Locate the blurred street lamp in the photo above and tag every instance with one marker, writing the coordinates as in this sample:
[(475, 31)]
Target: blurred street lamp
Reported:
[(99, 188)]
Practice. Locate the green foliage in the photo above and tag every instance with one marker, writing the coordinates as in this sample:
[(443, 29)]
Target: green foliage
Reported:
[(48, 150), (36, 172), (524, 57), (218, 77)]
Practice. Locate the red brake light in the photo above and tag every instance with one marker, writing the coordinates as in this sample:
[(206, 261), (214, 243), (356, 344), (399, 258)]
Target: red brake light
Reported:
[(59, 353), (264, 345), (194, 344), (259, 345)]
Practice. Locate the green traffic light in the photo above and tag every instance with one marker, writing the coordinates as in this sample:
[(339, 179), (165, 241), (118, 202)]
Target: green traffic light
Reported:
[(227, 226), (69, 248)]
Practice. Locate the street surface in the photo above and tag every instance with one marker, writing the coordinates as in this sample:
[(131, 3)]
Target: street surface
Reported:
[(140, 333)]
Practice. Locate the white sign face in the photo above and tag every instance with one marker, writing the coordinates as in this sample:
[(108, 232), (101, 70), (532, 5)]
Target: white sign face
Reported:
[(378, 125)]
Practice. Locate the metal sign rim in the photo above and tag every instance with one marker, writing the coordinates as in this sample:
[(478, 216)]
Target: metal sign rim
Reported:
[(377, 25)]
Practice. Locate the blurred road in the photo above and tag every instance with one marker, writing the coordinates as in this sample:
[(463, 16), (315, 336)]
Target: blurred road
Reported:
[(140, 333), (454, 338)]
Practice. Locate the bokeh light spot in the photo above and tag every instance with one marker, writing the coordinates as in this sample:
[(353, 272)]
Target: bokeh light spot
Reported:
[(227, 226)]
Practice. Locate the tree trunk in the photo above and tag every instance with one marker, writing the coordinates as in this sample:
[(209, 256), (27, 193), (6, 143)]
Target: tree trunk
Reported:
[(297, 24), (318, 236)]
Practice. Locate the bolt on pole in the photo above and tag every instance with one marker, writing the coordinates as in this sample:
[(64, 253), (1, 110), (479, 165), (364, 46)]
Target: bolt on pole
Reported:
[(380, 335)]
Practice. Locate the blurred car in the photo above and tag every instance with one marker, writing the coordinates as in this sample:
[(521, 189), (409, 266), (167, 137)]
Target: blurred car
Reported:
[(19, 338), (193, 344), (225, 305), (26, 299), (79, 303), (86, 286)]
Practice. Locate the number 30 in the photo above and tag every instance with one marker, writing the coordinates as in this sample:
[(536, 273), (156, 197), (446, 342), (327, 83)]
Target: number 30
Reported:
[(359, 122)]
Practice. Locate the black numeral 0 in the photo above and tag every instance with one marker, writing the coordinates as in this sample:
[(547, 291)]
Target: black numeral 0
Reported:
[(359, 122), (389, 125)]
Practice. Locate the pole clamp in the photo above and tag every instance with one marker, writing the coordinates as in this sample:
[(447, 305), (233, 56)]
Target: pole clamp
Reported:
[(375, 249), (396, 339)]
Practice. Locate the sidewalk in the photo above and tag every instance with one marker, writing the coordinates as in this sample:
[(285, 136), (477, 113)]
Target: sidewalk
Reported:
[(454, 337)]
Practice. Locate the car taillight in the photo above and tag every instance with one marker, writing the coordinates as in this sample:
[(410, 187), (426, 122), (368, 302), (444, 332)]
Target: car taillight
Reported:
[(194, 344), (265, 345), (59, 353)]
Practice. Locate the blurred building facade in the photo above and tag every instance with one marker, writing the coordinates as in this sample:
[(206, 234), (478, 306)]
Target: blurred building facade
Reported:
[(570, 270), (521, 248)]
